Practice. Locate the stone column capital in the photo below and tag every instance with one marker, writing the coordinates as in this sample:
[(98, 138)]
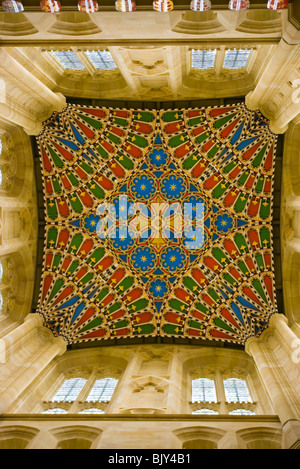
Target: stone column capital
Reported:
[(250, 102), (34, 318), (60, 103), (249, 344), (61, 344), (35, 130), (277, 317), (36, 321), (276, 129)]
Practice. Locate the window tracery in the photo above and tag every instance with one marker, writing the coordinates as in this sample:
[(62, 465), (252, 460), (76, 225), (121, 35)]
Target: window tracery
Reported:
[(75, 395), (221, 63), (88, 61), (221, 394)]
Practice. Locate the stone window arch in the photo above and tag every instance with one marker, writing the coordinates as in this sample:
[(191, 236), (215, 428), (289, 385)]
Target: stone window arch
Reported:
[(76, 437), (199, 437), (16, 436), (89, 387), (261, 438)]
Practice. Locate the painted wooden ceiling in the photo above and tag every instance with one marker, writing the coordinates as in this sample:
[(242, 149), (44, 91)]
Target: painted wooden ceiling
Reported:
[(209, 170)]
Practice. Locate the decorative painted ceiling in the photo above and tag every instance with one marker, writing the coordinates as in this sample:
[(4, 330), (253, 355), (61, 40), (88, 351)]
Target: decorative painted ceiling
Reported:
[(148, 172)]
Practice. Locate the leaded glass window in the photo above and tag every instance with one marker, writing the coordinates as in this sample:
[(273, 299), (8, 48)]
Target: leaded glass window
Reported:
[(236, 390), (203, 59), (242, 412), (235, 59), (55, 411), (101, 59), (102, 390), (68, 59), (203, 390), (92, 411), (205, 412), (70, 390)]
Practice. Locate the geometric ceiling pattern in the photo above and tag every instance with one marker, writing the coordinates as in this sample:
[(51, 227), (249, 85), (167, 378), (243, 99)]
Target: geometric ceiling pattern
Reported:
[(158, 223)]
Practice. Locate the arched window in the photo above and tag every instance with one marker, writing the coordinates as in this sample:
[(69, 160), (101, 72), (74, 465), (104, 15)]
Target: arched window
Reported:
[(236, 59), (203, 390), (70, 390), (76, 392), (236, 390), (203, 59), (101, 59), (221, 395), (102, 390), (68, 59)]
